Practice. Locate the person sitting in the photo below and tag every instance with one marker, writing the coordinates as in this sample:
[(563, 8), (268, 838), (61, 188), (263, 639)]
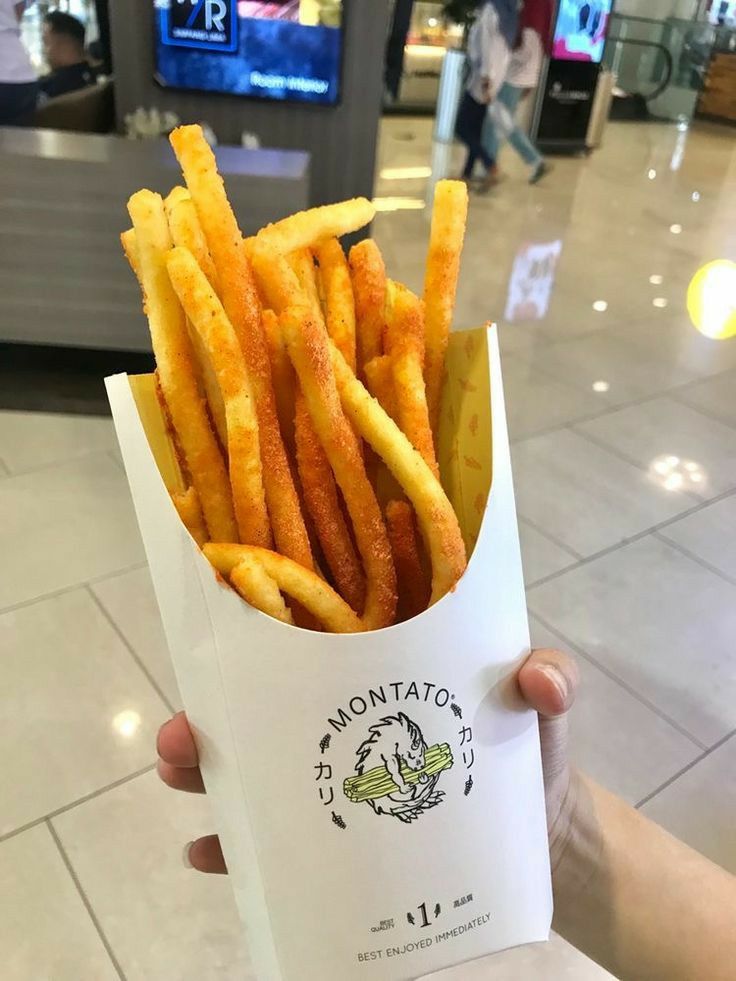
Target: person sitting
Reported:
[(63, 44)]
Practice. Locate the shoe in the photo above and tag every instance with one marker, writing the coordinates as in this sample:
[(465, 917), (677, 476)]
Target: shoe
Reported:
[(539, 171), (489, 181)]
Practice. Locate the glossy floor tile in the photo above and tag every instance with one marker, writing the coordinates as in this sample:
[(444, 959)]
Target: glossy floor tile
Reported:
[(45, 929), (36, 439), (76, 713), (709, 534), (715, 397), (540, 555)]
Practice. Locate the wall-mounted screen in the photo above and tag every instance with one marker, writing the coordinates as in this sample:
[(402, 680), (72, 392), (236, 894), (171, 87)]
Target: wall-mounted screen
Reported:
[(580, 30), (289, 50)]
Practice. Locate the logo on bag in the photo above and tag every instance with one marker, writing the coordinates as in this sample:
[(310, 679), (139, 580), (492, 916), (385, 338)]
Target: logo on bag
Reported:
[(397, 772)]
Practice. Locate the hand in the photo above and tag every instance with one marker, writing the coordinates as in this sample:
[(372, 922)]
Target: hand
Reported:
[(547, 680)]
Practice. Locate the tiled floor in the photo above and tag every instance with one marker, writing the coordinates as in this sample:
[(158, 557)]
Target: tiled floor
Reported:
[(623, 423)]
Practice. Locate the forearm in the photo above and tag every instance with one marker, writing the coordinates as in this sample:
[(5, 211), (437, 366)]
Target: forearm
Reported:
[(632, 897)]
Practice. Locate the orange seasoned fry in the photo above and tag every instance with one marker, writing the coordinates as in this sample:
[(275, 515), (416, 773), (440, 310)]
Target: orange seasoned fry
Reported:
[(369, 288), (449, 215), (437, 520), (307, 228), (323, 506), (309, 349), (187, 505), (187, 231), (175, 365), (405, 347), (208, 317), (337, 293), (302, 265), (379, 381), (305, 586), (258, 588), (414, 585), (242, 306), (282, 374), (277, 281)]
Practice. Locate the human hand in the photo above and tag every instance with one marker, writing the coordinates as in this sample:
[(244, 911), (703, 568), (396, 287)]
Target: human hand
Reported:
[(547, 681)]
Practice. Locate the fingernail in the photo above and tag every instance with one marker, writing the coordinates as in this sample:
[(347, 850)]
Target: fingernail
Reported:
[(187, 862), (557, 678)]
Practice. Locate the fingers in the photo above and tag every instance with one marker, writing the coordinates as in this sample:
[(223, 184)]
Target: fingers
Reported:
[(175, 743), (188, 779), (205, 855), (548, 681)]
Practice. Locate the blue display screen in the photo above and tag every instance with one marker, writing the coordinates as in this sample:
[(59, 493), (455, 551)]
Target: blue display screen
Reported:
[(288, 51)]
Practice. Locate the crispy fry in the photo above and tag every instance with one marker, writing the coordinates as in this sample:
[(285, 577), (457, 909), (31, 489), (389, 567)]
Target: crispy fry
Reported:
[(187, 231), (174, 358), (414, 585), (437, 520), (379, 381), (323, 505), (405, 346), (308, 347), (187, 505), (305, 586), (307, 228), (130, 248), (337, 293), (241, 303), (277, 281), (282, 374), (258, 588), (302, 265), (369, 288), (208, 317), (449, 215)]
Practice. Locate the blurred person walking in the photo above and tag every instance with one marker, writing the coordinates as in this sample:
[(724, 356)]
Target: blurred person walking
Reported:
[(491, 38), (18, 83), (524, 69)]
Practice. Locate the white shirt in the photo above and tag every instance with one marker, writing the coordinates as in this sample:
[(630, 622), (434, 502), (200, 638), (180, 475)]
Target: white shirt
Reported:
[(488, 53), (525, 65), (15, 63)]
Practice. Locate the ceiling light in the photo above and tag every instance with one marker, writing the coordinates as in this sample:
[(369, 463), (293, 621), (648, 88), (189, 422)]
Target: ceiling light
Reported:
[(656, 280), (676, 229), (660, 302), (651, 174), (127, 723), (432, 22), (600, 306), (695, 196), (600, 386)]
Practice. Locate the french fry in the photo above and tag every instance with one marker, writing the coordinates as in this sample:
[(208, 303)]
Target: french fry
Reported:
[(369, 288), (337, 293), (218, 337), (258, 588), (323, 506), (130, 249), (437, 520), (404, 342), (307, 228), (242, 306), (379, 380), (449, 214), (309, 349), (175, 365), (282, 375), (302, 265), (277, 281), (187, 505), (303, 585), (414, 585)]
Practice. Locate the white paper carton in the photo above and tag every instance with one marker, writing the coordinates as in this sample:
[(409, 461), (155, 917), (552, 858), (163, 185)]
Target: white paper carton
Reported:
[(306, 738)]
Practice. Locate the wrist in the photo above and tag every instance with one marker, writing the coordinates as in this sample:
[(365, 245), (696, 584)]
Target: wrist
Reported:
[(576, 844)]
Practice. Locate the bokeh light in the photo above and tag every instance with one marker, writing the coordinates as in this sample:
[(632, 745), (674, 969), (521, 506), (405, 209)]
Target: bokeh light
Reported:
[(711, 299)]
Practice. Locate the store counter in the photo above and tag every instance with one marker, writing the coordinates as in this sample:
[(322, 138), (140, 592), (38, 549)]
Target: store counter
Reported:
[(63, 279)]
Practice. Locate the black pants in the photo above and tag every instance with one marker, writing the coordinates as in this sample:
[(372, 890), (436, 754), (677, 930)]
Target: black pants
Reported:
[(18, 103), (468, 129)]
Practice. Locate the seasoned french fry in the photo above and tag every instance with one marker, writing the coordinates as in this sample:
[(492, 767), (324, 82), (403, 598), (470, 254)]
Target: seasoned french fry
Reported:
[(449, 214), (405, 347), (302, 265), (187, 505), (258, 588), (414, 585), (175, 363), (282, 375), (277, 281), (437, 520), (187, 231), (369, 288), (208, 318), (307, 228), (308, 346), (337, 293), (130, 248), (242, 306), (379, 380), (323, 506), (305, 586)]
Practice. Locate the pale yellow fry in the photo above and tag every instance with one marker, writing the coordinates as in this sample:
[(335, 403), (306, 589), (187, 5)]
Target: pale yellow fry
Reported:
[(277, 282), (187, 505), (302, 265), (176, 194), (307, 228), (258, 588), (449, 215), (187, 231), (130, 248), (338, 299), (209, 319), (303, 585), (175, 364), (242, 306), (437, 520)]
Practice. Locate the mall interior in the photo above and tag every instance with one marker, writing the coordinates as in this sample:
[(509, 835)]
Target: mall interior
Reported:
[(609, 270)]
